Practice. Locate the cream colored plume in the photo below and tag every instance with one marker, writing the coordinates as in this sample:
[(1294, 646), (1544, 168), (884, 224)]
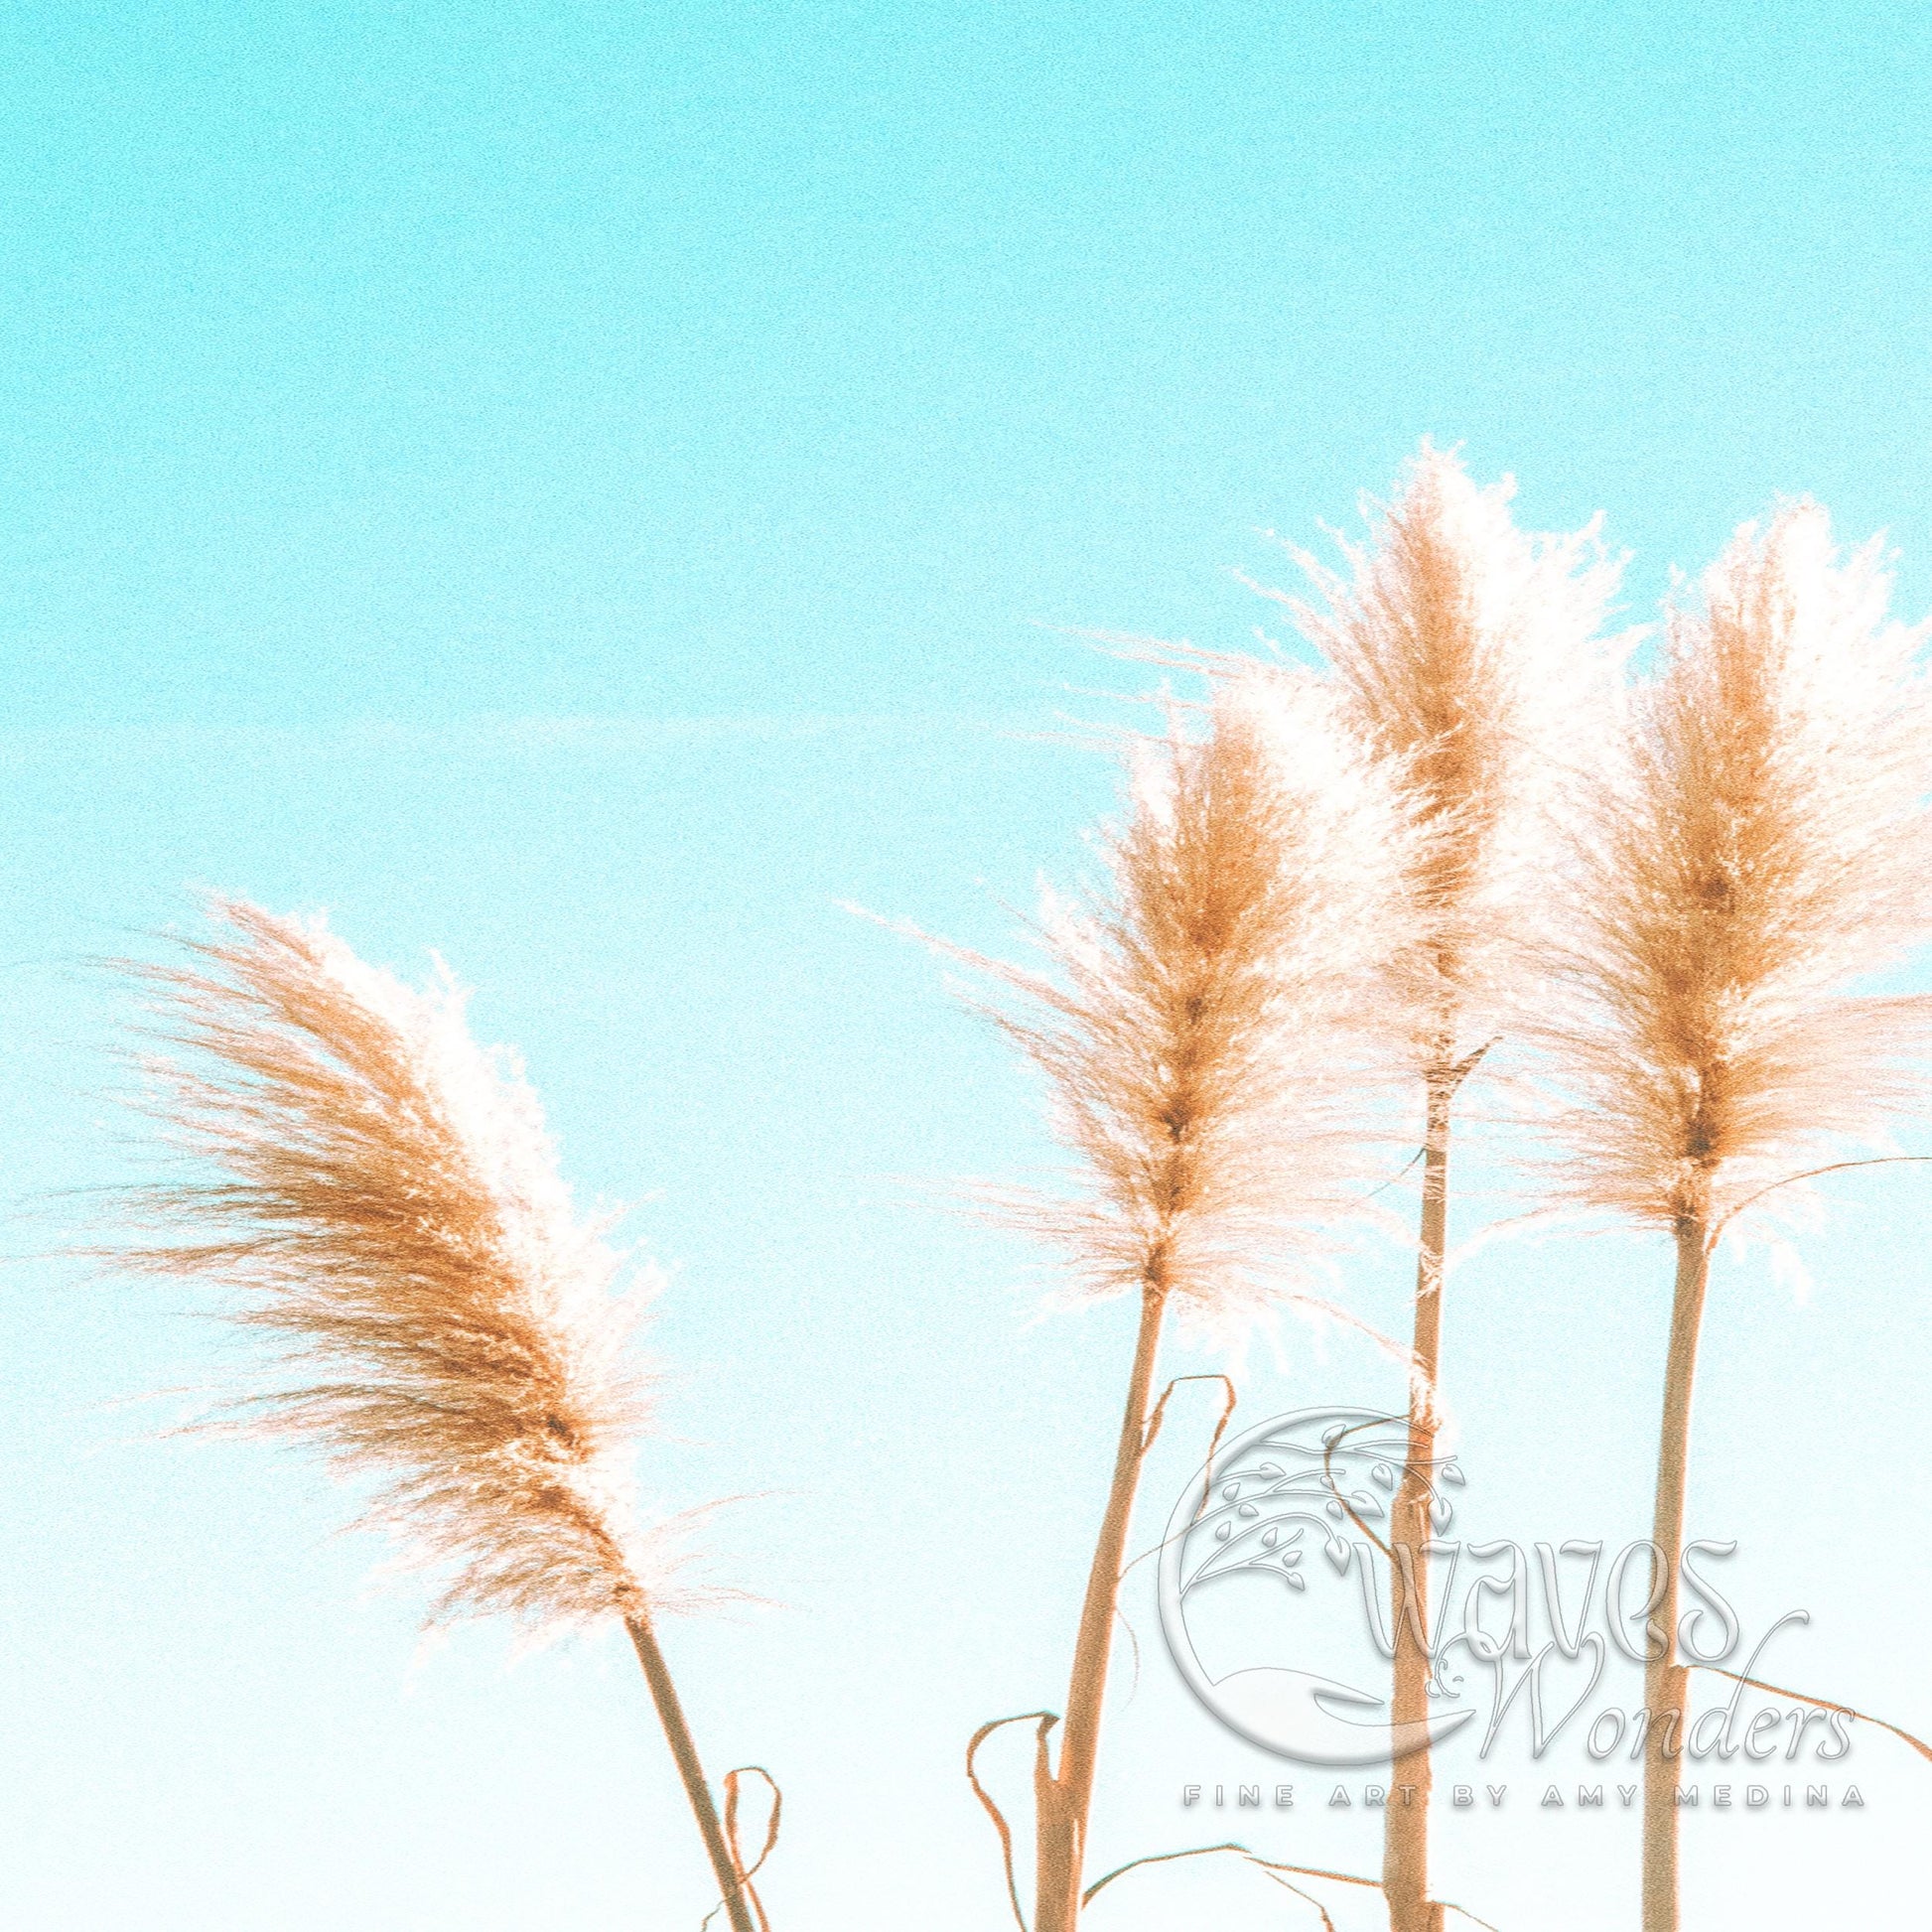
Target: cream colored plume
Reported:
[(1465, 650), (381, 1202), (1759, 851), (1199, 1022)]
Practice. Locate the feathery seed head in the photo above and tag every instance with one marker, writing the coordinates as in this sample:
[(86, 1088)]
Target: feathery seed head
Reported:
[(1758, 847), (383, 1201), (1465, 650), (1199, 1030)]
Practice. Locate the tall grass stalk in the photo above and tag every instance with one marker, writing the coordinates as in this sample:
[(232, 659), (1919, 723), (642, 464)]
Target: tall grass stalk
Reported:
[(1758, 849), (1200, 1032), (1463, 651), (381, 1202)]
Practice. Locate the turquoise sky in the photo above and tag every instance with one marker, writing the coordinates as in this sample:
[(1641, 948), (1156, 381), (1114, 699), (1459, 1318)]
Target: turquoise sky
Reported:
[(587, 488)]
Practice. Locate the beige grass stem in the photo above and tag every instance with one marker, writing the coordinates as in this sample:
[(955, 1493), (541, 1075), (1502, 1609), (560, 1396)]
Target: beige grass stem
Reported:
[(1666, 1682), (1063, 1799), (734, 1886)]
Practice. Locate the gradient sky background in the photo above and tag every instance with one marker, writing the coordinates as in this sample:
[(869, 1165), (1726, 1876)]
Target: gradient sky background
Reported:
[(587, 488)]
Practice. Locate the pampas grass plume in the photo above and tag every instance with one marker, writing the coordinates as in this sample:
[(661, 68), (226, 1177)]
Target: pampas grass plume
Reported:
[(1465, 650), (380, 1202), (1202, 1021), (380, 1199), (1758, 850)]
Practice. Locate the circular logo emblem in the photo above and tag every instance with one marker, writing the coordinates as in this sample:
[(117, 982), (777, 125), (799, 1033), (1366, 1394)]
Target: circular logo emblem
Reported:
[(1291, 1507)]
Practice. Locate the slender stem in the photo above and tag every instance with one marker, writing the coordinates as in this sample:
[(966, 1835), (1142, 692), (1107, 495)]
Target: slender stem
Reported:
[(1063, 1799), (1666, 1681), (670, 1713), (1405, 1827)]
